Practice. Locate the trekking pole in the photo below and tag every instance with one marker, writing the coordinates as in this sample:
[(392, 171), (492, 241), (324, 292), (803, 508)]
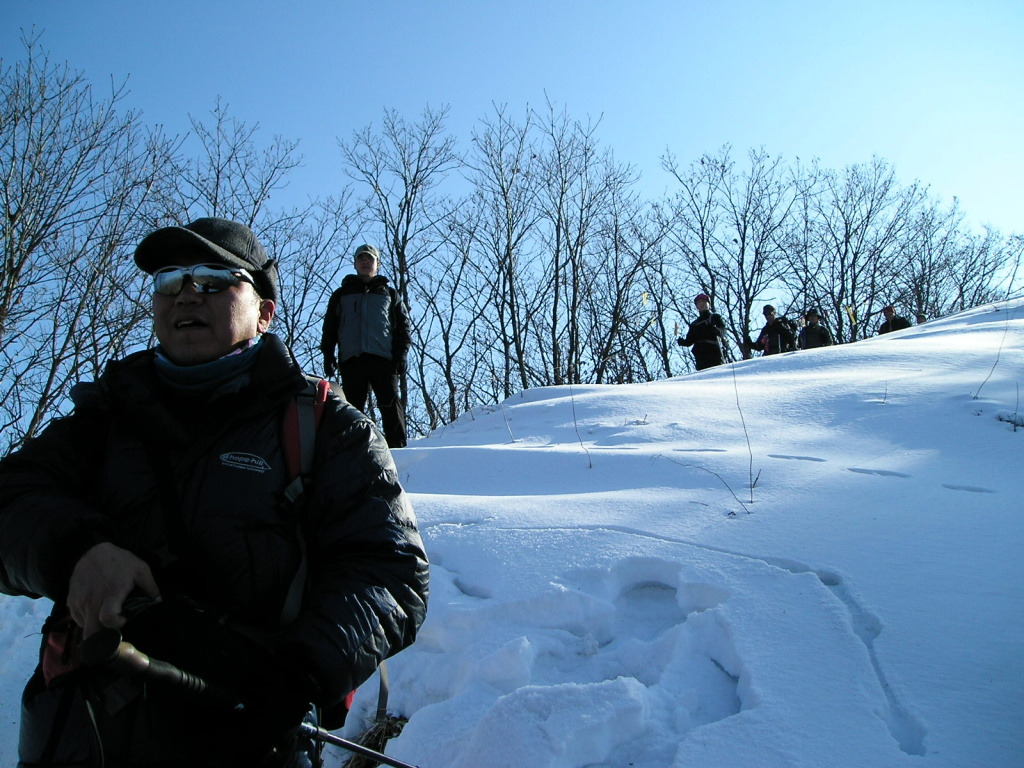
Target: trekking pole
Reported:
[(105, 648), (327, 737)]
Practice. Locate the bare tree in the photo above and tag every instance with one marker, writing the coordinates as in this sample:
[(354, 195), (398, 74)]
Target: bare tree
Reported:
[(578, 182), (229, 174), (802, 245), (986, 267), (1010, 280), (861, 216), (549, 269), (76, 186), (504, 203), (618, 310), (928, 253), (456, 347), (667, 287), (308, 245)]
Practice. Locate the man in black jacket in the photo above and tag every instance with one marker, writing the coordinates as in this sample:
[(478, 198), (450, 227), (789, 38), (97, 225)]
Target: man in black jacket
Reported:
[(156, 508), (893, 322), (776, 335), (366, 328), (814, 334), (704, 335)]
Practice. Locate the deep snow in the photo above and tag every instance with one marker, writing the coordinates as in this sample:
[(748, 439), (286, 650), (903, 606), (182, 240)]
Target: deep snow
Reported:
[(608, 592)]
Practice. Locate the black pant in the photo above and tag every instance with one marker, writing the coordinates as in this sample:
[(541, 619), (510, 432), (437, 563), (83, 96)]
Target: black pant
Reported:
[(707, 355), (358, 375)]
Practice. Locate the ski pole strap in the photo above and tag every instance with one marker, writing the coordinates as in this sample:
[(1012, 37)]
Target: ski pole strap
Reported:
[(327, 737), (382, 693)]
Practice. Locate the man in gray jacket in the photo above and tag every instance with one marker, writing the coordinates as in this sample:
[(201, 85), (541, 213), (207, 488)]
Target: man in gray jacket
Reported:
[(366, 328)]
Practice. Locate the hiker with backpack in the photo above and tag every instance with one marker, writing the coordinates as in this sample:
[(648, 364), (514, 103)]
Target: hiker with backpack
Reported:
[(366, 339), (814, 334), (777, 335), (170, 506), (704, 336)]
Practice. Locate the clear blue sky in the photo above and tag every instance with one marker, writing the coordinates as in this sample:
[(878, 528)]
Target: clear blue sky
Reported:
[(934, 86)]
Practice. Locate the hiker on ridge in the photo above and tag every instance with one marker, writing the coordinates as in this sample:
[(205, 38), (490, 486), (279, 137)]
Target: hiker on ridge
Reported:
[(157, 508), (366, 328), (893, 322), (814, 334), (704, 335), (776, 335)]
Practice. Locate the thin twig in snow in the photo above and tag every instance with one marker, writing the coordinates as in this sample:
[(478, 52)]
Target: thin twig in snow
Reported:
[(999, 351), (507, 425), (709, 471), (750, 451), (572, 397)]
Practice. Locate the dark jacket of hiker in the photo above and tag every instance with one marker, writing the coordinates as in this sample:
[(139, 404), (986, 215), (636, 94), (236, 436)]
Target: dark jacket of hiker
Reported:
[(366, 318), (813, 336), (192, 484), (704, 336), (897, 323), (776, 336)]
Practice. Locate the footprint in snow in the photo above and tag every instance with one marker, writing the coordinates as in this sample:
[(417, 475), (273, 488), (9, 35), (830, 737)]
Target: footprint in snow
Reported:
[(968, 488), (879, 472), (658, 615)]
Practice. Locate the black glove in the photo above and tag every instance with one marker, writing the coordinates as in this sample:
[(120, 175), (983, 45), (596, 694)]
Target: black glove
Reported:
[(277, 698), (276, 690), (330, 366), (682, 342)]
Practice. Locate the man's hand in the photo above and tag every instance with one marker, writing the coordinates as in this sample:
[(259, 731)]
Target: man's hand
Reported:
[(330, 365), (103, 577)]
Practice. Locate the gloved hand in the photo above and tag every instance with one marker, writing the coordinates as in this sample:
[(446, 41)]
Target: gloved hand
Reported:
[(682, 342), (277, 699), (330, 366)]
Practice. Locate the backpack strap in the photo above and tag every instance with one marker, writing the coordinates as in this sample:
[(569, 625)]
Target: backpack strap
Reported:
[(298, 439), (301, 421)]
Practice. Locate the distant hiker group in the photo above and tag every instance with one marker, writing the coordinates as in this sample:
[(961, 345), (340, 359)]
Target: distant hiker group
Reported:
[(779, 334)]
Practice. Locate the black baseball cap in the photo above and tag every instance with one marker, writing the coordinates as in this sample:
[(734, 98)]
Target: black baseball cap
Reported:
[(221, 240)]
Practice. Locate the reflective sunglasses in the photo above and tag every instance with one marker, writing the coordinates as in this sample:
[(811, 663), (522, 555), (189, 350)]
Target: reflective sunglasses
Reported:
[(207, 278)]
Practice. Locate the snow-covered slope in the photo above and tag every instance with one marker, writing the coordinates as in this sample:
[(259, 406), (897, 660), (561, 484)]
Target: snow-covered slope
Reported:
[(608, 591)]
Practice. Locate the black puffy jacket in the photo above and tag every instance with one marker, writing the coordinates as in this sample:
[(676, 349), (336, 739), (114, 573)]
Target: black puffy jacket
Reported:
[(193, 487)]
